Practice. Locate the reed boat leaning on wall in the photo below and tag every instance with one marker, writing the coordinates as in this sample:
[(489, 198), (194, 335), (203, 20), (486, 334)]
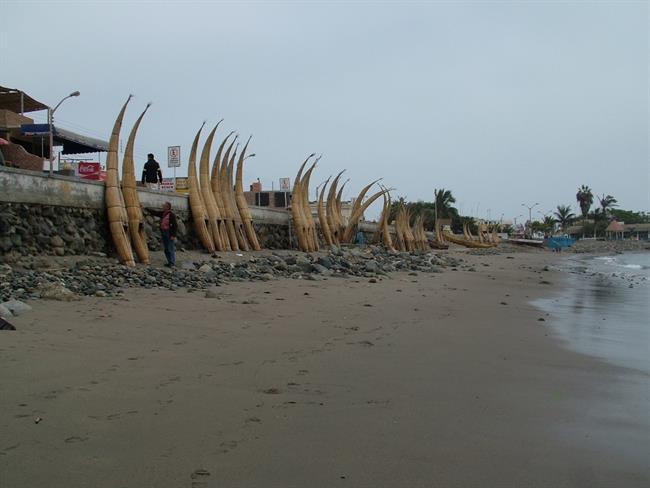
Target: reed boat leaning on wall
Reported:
[(222, 168), (242, 205), (348, 230), (297, 208), (322, 215), (244, 245), (385, 231), (357, 212), (214, 216), (197, 207), (118, 220), (310, 225), (216, 194), (131, 199), (331, 210), (215, 186), (338, 214)]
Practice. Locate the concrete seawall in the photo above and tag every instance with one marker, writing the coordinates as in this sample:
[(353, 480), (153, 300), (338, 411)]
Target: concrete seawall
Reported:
[(43, 214)]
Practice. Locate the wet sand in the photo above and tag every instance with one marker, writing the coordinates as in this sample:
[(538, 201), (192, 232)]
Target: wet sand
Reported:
[(446, 379)]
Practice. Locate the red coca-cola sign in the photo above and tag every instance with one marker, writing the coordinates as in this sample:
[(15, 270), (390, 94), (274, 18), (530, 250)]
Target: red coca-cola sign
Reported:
[(90, 171)]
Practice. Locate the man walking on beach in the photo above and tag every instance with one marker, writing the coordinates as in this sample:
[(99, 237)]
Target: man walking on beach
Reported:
[(151, 174), (168, 228)]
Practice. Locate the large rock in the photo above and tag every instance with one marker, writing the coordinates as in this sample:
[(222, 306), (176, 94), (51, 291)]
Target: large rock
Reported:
[(56, 291), (56, 241), (16, 307), (5, 312), (372, 266)]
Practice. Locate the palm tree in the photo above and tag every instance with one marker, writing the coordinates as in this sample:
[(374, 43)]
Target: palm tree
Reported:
[(585, 198), (607, 203), (443, 202), (549, 224), (564, 215)]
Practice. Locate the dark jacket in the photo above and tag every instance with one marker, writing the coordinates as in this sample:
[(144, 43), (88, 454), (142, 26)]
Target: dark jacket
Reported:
[(151, 172), (173, 222)]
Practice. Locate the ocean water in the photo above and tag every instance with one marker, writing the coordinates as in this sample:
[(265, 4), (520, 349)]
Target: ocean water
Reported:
[(605, 309)]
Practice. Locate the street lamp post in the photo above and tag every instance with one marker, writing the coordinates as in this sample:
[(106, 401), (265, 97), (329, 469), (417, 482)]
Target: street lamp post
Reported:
[(530, 213), (50, 114)]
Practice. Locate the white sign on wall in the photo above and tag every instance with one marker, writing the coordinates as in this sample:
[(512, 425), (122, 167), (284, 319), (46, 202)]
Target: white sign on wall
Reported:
[(173, 156), (285, 184), (168, 184)]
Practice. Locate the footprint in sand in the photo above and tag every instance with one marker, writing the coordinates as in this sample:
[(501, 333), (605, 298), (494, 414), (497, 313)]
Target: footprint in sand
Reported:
[(74, 439), (199, 478)]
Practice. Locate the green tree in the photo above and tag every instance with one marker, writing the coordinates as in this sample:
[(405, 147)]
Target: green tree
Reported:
[(443, 204), (629, 216), (564, 216), (585, 199), (602, 214)]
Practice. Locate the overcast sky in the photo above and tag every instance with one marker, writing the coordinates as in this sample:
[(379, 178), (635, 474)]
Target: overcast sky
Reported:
[(500, 102)]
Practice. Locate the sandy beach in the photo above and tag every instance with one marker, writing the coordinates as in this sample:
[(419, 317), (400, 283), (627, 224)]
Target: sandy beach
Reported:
[(449, 379)]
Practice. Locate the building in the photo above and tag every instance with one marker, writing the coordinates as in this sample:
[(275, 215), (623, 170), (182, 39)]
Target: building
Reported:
[(26, 144)]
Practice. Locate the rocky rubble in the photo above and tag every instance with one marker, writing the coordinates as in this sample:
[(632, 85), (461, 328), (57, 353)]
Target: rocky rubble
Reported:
[(103, 277)]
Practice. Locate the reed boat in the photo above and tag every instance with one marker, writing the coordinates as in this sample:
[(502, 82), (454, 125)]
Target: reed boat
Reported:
[(244, 211), (197, 206), (211, 208), (221, 168), (118, 220), (297, 208), (322, 215), (332, 211), (232, 203), (131, 199), (466, 242), (310, 226)]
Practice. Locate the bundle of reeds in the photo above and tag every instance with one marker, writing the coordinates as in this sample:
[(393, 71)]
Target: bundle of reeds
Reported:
[(131, 199), (333, 210), (244, 211), (117, 217), (211, 208), (197, 206), (322, 215), (297, 209), (358, 209)]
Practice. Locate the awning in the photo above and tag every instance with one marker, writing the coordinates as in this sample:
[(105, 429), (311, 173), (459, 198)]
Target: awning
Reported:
[(72, 142), (18, 101)]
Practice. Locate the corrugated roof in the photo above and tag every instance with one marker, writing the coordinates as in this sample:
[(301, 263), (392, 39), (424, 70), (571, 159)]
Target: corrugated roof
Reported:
[(10, 99)]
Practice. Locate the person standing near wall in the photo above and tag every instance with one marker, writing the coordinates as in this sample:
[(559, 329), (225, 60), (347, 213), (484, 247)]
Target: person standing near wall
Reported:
[(151, 174), (168, 229)]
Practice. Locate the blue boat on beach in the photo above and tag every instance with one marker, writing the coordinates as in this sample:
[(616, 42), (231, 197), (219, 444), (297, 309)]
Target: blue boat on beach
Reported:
[(556, 243)]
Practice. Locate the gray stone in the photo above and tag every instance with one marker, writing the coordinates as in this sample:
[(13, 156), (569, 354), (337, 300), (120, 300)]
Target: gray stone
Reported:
[(206, 268), (5, 313), (59, 251), (56, 241), (371, 266), (325, 262), (5, 243), (317, 268), (56, 291), (16, 307)]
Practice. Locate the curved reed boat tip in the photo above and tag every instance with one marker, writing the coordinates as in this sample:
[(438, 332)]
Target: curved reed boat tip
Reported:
[(130, 194), (115, 206)]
